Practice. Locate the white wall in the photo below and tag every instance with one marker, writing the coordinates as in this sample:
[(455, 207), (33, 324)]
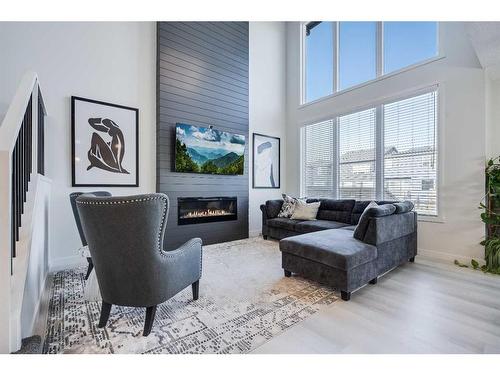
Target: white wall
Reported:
[(113, 62), (462, 134), (492, 117), (267, 104)]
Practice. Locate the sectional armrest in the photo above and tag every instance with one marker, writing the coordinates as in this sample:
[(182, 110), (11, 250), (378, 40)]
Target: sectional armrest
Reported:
[(391, 227)]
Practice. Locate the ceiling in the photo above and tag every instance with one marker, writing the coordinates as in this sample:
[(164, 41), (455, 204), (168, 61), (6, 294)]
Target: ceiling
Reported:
[(485, 39)]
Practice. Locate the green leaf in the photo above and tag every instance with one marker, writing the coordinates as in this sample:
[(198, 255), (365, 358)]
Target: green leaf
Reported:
[(474, 264)]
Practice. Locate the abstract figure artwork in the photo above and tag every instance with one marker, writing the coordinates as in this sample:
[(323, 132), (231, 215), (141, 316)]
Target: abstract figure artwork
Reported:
[(104, 144), (266, 162)]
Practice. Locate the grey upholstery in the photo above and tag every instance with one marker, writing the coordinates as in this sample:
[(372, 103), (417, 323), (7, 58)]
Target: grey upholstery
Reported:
[(378, 211), (317, 225), (334, 248), (327, 250), (335, 210), (72, 199), (283, 223), (125, 238), (360, 206), (402, 207)]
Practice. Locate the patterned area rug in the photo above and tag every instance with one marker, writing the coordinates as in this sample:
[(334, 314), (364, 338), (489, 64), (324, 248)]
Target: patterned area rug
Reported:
[(244, 302)]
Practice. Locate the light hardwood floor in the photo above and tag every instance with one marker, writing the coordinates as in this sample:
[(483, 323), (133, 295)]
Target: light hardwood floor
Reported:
[(422, 307)]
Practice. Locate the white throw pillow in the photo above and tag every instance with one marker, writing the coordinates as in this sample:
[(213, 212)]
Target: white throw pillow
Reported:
[(305, 211)]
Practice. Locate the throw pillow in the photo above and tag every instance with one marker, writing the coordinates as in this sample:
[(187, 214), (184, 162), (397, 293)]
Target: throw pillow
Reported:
[(288, 206), (305, 211), (359, 231)]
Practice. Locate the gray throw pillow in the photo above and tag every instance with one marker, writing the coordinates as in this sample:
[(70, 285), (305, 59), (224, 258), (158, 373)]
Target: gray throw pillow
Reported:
[(402, 207), (360, 230), (372, 210)]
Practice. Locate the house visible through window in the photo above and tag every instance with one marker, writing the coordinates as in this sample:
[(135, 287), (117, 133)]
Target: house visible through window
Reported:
[(340, 55), (385, 152)]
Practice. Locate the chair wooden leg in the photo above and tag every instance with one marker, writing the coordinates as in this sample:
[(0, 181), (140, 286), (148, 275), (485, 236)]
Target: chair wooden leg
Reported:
[(196, 289), (287, 273), (346, 296), (150, 318), (89, 269), (105, 310), (412, 259)]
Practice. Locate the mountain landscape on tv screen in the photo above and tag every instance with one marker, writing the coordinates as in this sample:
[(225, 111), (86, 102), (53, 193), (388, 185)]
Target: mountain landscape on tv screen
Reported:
[(205, 150)]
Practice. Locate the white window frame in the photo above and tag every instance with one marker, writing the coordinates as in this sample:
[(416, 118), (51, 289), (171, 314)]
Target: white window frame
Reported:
[(379, 147), (379, 58)]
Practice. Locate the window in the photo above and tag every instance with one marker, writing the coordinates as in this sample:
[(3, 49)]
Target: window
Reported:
[(410, 141), (319, 61), (407, 43), (357, 53), (318, 166), (357, 155), (387, 152), (340, 55)]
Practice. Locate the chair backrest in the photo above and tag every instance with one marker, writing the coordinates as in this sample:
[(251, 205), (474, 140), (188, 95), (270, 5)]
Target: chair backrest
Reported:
[(125, 239), (72, 199)]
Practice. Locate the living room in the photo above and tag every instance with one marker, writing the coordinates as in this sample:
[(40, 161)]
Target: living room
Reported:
[(311, 183)]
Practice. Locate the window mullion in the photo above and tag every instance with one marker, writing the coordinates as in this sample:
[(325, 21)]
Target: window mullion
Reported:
[(335, 158), (380, 49), (335, 31), (379, 152)]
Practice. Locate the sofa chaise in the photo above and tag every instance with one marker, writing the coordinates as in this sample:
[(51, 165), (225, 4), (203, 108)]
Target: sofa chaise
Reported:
[(339, 250)]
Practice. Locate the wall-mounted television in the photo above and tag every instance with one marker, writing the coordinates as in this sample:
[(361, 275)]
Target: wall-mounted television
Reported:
[(207, 150)]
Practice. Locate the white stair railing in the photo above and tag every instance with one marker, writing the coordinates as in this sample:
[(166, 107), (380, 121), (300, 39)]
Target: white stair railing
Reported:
[(21, 158)]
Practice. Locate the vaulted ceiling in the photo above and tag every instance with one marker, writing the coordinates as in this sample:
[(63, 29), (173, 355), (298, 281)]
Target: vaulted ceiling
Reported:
[(485, 38)]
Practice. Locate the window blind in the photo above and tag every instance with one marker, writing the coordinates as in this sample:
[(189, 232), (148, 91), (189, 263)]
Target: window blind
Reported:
[(410, 152), (357, 179), (318, 157)]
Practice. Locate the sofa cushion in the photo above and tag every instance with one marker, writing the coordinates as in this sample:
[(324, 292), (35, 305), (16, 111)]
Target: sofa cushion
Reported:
[(283, 223), (335, 248), (377, 211), (349, 227), (273, 207), (315, 225), (402, 207), (360, 206), (335, 209)]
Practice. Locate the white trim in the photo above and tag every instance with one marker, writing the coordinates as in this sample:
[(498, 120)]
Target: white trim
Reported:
[(64, 263), (373, 81)]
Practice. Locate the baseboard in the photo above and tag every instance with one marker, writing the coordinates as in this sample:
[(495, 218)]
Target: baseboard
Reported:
[(65, 263), (40, 319), (447, 257), (254, 233)]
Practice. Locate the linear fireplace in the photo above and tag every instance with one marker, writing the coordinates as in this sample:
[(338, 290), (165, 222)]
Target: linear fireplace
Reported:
[(206, 210)]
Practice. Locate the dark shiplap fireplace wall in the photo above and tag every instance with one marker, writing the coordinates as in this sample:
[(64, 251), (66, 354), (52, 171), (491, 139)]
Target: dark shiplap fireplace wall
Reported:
[(202, 79)]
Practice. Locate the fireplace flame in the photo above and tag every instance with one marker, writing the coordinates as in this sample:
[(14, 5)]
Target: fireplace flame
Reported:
[(205, 213)]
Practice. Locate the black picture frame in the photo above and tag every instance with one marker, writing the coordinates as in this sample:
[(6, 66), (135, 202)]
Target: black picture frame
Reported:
[(254, 185), (74, 182)]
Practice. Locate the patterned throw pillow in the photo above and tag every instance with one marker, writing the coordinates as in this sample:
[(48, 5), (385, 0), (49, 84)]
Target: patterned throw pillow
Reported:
[(288, 206)]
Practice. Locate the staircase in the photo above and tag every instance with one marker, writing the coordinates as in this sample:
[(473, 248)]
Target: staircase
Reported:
[(24, 199)]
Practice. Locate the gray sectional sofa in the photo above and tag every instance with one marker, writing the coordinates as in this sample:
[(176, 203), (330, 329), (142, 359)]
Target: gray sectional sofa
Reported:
[(339, 250)]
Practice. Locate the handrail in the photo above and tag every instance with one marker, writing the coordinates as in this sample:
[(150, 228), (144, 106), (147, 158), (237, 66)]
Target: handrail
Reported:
[(21, 155), (13, 119)]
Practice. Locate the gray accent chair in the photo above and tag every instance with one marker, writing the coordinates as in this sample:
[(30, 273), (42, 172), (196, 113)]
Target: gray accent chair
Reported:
[(342, 248), (72, 199), (125, 238)]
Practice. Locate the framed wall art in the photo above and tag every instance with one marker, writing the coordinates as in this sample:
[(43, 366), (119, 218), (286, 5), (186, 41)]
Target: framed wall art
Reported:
[(266, 162), (104, 143)]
